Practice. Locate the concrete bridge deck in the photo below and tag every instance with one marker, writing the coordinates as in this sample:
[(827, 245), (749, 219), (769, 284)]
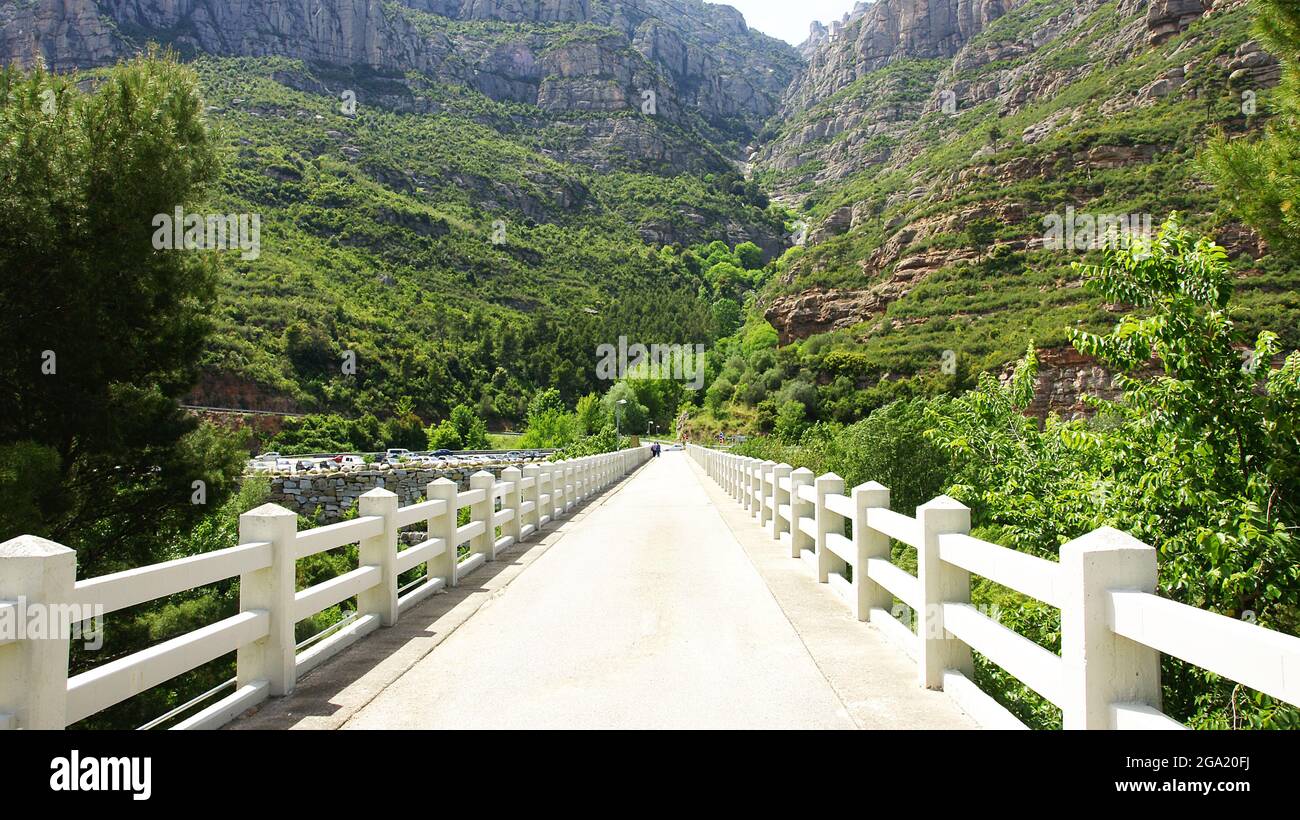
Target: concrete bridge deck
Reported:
[(656, 606)]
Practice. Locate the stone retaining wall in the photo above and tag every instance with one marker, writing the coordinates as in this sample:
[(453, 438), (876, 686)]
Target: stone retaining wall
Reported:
[(334, 493)]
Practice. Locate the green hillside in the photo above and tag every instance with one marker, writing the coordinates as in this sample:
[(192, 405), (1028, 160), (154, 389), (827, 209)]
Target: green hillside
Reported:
[(378, 237)]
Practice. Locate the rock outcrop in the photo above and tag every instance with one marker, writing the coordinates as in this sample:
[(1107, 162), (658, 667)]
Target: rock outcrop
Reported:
[(1167, 18), (563, 55)]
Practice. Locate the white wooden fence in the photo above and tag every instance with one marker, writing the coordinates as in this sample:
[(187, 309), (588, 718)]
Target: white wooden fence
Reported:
[(37, 577), (1113, 625)]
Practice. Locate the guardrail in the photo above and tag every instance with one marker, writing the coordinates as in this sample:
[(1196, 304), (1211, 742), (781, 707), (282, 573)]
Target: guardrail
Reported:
[(1113, 625), (37, 575)]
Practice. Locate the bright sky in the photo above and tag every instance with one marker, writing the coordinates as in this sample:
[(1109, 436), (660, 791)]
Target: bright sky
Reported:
[(789, 19)]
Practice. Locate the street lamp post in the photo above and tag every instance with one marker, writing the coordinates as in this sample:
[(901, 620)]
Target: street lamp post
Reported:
[(617, 416)]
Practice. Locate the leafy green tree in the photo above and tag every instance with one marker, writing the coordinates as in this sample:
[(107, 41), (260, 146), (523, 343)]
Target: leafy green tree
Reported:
[(545, 401), (471, 427), (727, 279), (1200, 461), (406, 430), (591, 414), (445, 437), (750, 255), (310, 350), (980, 235), (719, 393), (1259, 177), (632, 417), (727, 316), (791, 421), (103, 333)]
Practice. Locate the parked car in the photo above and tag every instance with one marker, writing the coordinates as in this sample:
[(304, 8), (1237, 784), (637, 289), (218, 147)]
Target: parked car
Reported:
[(396, 454), (349, 461), (442, 453)]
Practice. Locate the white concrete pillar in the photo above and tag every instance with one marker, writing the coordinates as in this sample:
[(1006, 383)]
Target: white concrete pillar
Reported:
[(570, 490), (444, 527), (36, 572), (557, 490), (799, 509), (941, 583), (1102, 668), (828, 522), (380, 551), (766, 493), (868, 544), (273, 658), (779, 496), (485, 542), (533, 493), (513, 500)]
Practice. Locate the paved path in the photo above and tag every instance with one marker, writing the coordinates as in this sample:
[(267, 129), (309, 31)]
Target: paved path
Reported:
[(660, 607)]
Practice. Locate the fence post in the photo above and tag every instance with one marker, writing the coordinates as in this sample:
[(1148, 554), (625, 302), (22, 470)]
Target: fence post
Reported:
[(34, 669), (557, 490), (444, 527), (380, 551), (513, 500), (799, 509), (765, 497), (570, 486), (548, 472), (533, 494), (868, 544), (941, 583), (779, 524), (828, 522), (485, 542), (1102, 668), (273, 658)]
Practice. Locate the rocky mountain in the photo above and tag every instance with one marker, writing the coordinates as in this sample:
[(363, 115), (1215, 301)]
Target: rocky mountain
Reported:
[(927, 141), (559, 55), (919, 143)]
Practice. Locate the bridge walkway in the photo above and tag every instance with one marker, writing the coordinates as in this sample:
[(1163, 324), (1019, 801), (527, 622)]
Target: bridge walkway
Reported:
[(656, 606)]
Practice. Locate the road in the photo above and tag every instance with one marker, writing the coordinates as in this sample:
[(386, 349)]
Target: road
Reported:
[(659, 610)]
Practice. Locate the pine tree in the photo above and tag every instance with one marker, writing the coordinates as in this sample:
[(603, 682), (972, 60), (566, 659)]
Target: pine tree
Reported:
[(1259, 177)]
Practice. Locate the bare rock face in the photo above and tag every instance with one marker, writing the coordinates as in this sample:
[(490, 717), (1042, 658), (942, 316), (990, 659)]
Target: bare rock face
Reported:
[(1166, 18), (708, 57), (818, 311), (63, 34), (885, 31), (1065, 376)]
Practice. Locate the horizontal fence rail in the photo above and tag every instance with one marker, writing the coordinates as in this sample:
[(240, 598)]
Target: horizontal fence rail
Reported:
[(39, 576), (1114, 627)]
